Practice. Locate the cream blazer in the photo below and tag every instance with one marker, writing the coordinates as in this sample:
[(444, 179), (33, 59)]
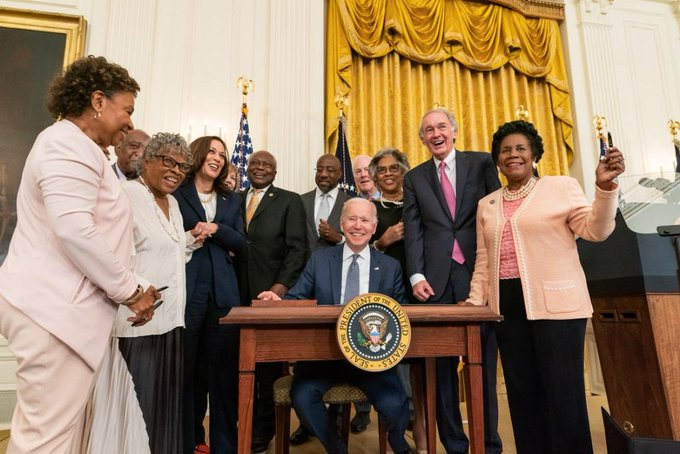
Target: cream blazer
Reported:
[(69, 258), (545, 227)]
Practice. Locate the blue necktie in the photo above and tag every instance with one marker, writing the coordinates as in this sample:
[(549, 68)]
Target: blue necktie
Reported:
[(352, 281)]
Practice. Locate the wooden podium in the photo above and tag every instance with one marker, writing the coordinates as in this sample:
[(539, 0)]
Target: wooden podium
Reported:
[(634, 289), (293, 332)]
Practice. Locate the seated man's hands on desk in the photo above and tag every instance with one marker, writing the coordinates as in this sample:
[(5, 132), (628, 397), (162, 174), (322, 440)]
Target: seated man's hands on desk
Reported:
[(268, 295)]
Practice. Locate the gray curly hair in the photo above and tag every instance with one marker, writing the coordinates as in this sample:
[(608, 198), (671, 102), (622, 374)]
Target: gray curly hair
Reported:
[(165, 142), (401, 158)]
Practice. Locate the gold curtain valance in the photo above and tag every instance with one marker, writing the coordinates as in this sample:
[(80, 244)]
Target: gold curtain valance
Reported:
[(481, 36)]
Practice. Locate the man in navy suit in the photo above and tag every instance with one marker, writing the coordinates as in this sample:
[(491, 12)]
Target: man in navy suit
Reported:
[(324, 279), (440, 206)]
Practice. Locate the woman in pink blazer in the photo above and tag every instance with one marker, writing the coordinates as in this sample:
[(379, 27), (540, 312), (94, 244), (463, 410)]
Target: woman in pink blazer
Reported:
[(528, 270), (67, 268)]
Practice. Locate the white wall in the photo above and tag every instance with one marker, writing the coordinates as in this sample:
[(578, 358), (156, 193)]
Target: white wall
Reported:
[(623, 62), (187, 55)]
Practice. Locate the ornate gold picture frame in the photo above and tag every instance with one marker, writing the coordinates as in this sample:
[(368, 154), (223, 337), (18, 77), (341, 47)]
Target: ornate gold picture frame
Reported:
[(36, 46), (74, 28)]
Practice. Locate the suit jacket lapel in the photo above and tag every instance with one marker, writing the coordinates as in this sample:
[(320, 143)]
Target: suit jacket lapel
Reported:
[(431, 172), (267, 199), (461, 175), (334, 216), (336, 274), (191, 195), (308, 204), (374, 279), (219, 206)]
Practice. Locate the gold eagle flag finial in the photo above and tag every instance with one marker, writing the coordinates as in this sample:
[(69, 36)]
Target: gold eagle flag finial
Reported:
[(246, 86), (600, 123), (341, 102)]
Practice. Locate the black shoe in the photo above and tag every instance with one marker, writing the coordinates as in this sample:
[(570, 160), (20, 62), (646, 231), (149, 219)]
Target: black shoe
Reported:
[(300, 436), (259, 445), (360, 421)]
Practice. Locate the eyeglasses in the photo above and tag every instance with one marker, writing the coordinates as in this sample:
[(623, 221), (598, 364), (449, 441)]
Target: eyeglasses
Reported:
[(393, 168), (328, 169), (171, 163)]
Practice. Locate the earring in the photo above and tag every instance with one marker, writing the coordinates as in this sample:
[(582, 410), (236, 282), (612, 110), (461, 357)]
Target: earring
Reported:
[(97, 115)]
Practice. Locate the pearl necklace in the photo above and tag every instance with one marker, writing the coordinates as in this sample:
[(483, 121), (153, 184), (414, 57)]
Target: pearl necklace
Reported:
[(174, 235), (394, 202), (521, 192), (206, 200)]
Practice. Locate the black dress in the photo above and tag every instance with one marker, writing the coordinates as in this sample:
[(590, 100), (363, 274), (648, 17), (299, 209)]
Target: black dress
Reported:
[(389, 214)]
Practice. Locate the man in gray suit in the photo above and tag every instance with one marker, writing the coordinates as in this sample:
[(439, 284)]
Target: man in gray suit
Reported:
[(440, 206), (323, 205)]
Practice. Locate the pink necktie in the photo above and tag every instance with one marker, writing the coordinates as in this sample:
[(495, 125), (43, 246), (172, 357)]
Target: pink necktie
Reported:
[(450, 197)]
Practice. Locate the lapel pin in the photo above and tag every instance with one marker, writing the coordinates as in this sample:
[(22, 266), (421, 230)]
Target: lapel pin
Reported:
[(492, 202), (376, 268), (270, 194)]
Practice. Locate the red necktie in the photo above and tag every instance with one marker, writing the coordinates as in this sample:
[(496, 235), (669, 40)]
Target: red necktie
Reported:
[(450, 197)]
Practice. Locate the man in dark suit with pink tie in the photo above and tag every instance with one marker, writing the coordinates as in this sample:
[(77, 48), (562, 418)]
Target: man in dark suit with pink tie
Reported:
[(440, 204)]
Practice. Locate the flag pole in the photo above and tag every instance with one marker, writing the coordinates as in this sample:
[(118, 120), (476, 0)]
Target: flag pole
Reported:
[(346, 182), (243, 147)]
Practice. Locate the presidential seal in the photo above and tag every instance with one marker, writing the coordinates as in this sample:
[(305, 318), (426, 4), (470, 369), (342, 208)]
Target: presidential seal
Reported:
[(373, 332)]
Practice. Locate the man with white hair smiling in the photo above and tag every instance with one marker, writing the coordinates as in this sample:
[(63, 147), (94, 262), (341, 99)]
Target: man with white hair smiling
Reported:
[(335, 275)]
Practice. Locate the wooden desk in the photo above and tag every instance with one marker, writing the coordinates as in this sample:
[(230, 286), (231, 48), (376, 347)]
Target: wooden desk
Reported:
[(290, 333)]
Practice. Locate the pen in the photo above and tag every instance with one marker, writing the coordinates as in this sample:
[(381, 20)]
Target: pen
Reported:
[(160, 289)]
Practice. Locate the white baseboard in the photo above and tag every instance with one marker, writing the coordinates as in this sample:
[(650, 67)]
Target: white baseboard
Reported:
[(8, 400)]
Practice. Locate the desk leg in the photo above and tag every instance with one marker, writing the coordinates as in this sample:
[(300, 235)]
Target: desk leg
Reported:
[(431, 405), (473, 389), (246, 388)]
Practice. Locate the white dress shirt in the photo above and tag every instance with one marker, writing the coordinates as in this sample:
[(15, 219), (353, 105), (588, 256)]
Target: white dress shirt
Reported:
[(364, 262), (450, 161), (450, 170), (251, 193), (332, 197)]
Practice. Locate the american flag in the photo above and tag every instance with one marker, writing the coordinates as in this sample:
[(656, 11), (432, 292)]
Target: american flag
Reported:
[(243, 148), (346, 183)]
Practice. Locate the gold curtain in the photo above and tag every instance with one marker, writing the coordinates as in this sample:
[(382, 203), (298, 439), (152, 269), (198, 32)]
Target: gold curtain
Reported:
[(394, 59)]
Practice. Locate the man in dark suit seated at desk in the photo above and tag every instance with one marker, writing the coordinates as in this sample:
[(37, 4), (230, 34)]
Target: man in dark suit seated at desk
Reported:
[(335, 275)]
